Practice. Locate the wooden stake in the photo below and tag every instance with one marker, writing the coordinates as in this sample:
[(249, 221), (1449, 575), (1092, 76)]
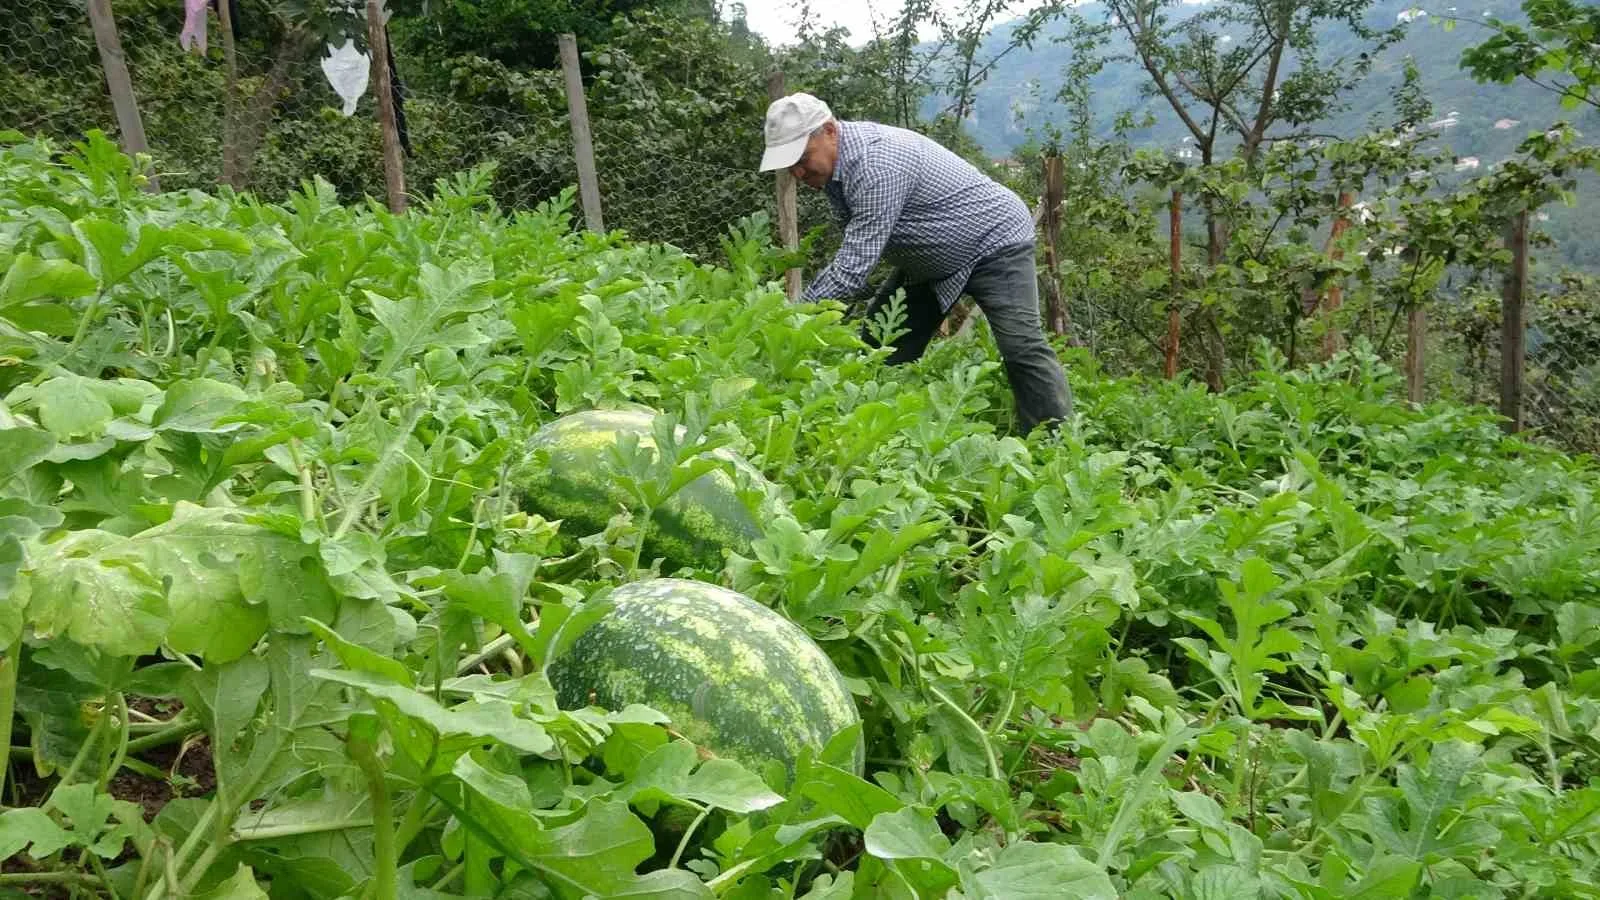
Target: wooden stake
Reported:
[(1416, 335), (1218, 235), (1060, 320), (118, 83), (788, 213), (582, 142), (1174, 319), (1513, 324), (394, 173), (1332, 341)]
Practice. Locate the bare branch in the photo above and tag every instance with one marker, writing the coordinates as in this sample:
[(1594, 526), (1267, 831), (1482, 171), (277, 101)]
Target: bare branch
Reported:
[(1252, 140), (1141, 42)]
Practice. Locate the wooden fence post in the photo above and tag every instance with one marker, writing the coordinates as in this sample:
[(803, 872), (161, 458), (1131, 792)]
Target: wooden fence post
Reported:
[(1174, 319), (582, 143), (394, 175), (118, 82), (1055, 304), (788, 214), (1416, 337), (1513, 324), (1331, 340)]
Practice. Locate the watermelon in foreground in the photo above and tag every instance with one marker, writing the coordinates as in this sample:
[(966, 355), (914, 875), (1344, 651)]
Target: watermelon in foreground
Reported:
[(734, 676), (564, 477)]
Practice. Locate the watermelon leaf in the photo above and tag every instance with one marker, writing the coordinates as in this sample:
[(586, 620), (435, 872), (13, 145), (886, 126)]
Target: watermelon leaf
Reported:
[(482, 721), (909, 841), (21, 448), (853, 799), (595, 855), (666, 884), (1028, 869), (670, 773), (30, 278)]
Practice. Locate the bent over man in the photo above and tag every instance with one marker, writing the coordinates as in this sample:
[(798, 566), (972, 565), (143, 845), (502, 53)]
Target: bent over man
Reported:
[(944, 227)]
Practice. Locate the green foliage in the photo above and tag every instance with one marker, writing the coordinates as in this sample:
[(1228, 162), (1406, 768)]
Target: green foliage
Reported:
[(1271, 69), (1288, 639), (1560, 37), (518, 33)]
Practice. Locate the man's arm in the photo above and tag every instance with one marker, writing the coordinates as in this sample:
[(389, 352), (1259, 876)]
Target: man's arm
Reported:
[(876, 198)]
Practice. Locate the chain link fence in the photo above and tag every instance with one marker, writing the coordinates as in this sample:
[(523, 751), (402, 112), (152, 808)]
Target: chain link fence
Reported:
[(1561, 377), (284, 127)]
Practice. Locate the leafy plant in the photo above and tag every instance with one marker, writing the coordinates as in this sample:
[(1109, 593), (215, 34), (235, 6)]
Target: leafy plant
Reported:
[(273, 621)]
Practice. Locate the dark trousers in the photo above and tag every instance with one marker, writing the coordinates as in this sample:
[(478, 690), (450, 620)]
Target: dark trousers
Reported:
[(1005, 285)]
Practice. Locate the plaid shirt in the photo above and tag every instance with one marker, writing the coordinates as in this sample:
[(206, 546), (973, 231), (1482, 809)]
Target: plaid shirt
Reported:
[(905, 199)]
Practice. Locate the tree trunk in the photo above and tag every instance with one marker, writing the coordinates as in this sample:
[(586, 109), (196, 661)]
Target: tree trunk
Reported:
[(1174, 318), (1332, 341), (258, 115), (1216, 353), (1269, 86), (1060, 321), (1512, 325), (230, 102), (119, 83)]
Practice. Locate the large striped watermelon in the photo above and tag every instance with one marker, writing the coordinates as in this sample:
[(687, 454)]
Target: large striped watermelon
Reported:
[(563, 476), (734, 676)]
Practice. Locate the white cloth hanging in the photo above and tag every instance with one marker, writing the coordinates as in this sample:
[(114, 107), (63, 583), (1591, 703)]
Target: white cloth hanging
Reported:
[(348, 70), (194, 25)]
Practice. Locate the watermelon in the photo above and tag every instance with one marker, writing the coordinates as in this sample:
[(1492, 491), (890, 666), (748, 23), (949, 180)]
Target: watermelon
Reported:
[(735, 677), (564, 477)]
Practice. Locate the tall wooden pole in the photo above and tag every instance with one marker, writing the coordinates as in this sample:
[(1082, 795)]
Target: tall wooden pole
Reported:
[(1513, 324), (582, 142), (394, 174), (788, 214), (1174, 319), (1416, 347), (1060, 320), (118, 82), (1332, 342)]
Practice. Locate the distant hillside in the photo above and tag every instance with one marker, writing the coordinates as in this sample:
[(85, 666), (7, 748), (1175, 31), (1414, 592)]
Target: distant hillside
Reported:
[(1482, 122)]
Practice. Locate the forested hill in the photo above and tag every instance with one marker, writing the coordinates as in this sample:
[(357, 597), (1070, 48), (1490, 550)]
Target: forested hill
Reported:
[(1474, 121)]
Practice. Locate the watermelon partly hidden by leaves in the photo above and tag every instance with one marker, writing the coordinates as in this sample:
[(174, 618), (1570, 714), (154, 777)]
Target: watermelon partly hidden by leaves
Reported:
[(566, 476), (735, 677)]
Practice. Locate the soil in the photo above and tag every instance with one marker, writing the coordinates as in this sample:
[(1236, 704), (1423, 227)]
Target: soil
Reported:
[(24, 787), (195, 775), (1050, 760), (190, 761), (189, 764)]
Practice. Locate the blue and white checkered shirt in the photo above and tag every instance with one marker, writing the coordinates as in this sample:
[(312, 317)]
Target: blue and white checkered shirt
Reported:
[(905, 199)]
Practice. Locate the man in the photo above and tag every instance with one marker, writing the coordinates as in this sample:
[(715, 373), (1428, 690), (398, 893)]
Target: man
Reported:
[(945, 228)]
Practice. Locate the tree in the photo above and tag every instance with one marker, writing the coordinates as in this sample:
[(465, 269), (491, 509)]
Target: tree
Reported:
[(1558, 50), (292, 28), (1237, 69)]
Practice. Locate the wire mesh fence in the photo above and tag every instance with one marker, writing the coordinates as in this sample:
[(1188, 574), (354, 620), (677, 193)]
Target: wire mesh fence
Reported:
[(282, 125), (1561, 348)]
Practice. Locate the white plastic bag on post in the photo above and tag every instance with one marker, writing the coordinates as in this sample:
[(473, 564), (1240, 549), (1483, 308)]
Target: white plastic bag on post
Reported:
[(348, 70)]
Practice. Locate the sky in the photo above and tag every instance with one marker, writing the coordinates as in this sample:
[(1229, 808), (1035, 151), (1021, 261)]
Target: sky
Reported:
[(775, 19)]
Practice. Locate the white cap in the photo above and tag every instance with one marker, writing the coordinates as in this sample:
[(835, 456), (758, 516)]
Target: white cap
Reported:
[(790, 121)]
